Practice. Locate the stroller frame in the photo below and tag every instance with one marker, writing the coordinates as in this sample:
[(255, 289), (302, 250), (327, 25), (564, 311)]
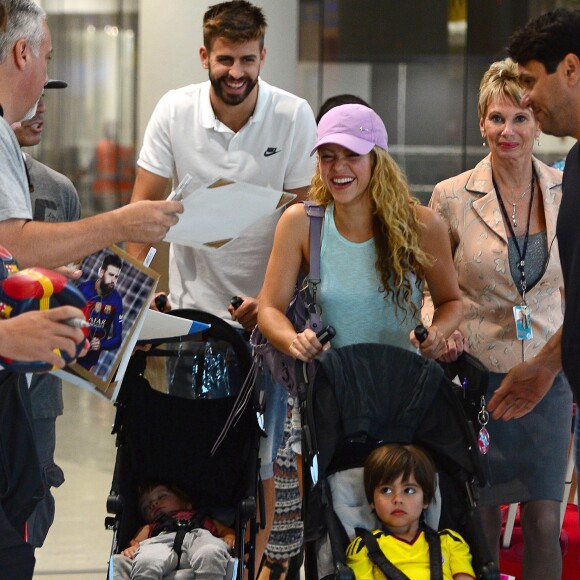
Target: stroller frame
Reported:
[(342, 422), (161, 437)]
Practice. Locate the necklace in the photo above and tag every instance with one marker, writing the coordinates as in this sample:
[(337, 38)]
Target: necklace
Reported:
[(515, 203)]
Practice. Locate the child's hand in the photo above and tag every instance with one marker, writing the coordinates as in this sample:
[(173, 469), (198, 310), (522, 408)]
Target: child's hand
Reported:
[(131, 551), (230, 540)]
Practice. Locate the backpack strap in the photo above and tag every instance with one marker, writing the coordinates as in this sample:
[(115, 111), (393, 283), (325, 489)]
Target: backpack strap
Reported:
[(377, 556), (315, 213)]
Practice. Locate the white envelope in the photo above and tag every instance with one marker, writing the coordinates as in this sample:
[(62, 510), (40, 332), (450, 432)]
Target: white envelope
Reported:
[(218, 212)]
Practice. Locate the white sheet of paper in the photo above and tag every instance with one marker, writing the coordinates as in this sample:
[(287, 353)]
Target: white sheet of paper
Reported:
[(221, 210), (126, 357), (161, 325)]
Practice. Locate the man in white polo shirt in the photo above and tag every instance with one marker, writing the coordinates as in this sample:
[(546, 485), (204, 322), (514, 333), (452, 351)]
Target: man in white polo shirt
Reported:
[(234, 126)]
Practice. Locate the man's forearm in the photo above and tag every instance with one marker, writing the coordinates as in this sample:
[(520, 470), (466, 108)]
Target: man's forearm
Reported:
[(50, 245)]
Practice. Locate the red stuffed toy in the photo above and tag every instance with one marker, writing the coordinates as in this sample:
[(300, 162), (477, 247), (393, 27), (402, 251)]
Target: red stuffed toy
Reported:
[(29, 290)]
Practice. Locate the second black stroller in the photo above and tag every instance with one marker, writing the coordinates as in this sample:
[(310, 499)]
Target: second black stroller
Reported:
[(367, 394), (172, 406)]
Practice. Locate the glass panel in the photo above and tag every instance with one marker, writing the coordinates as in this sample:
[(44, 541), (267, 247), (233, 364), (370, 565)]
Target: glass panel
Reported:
[(89, 132), (418, 63)]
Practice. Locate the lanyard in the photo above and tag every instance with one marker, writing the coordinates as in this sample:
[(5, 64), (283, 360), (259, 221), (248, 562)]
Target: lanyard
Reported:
[(521, 252)]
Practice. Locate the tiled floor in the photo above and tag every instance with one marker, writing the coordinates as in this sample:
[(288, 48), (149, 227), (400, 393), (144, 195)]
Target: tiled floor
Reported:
[(78, 545)]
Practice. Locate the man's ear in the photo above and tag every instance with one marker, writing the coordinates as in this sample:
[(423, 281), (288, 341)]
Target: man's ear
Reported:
[(21, 53), (204, 56), (262, 56), (571, 64)]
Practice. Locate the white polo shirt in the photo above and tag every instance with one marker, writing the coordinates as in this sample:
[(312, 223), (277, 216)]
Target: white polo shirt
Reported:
[(271, 150)]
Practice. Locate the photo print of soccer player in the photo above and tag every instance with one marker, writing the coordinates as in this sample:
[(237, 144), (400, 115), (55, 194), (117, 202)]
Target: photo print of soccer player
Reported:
[(118, 290), (104, 310)]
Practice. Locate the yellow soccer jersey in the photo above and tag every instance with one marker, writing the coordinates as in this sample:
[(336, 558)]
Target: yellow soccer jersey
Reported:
[(412, 558)]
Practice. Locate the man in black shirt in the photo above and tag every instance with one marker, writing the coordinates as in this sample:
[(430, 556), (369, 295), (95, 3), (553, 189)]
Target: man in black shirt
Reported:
[(547, 50)]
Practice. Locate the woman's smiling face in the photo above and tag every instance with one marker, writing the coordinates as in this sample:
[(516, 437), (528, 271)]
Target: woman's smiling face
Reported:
[(345, 173), (509, 129)]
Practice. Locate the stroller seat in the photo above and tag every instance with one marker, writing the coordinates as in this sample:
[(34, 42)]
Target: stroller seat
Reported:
[(365, 395), (164, 437)]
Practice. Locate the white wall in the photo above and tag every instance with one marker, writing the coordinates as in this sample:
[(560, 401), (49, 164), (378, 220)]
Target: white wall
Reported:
[(170, 37)]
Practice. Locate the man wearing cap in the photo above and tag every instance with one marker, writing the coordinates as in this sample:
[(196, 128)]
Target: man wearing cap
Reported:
[(54, 199), (25, 49)]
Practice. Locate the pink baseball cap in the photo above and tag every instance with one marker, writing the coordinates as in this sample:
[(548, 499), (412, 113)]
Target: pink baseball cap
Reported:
[(355, 127)]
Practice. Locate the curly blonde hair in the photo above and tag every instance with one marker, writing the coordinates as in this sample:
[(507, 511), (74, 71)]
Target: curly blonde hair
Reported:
[(395, 228), (501, 80)]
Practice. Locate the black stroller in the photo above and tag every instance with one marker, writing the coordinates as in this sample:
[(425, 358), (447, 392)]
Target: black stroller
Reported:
[(169, 435), (366, 394)]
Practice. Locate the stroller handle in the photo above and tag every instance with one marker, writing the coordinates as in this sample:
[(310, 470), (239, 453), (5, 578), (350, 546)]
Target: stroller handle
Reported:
[(326, 334), (421, 333)]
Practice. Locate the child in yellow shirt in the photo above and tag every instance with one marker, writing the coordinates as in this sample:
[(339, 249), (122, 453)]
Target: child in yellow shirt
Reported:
[(399, 484)]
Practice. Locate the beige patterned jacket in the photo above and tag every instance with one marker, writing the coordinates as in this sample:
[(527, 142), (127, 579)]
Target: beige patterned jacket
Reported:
[(469, 205)]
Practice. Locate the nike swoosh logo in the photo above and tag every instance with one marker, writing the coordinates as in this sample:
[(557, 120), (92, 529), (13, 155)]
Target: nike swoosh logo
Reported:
[(271, 151)]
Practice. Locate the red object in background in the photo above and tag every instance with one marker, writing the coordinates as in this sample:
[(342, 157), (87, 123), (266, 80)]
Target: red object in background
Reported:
[(511, 558)]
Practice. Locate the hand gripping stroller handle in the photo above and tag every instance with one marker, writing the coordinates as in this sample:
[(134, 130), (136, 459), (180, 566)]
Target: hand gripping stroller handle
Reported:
[(236, 302), (309, 454), (326, 334), (301, 368)]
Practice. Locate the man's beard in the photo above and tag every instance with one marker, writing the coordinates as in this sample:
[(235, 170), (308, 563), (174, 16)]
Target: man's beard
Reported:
[(228, 98), (105, 289)]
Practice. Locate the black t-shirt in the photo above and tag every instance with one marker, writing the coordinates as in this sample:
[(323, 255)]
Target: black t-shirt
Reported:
[(568, 231)]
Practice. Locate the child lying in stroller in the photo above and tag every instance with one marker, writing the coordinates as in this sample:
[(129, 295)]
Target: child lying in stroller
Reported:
[(399, 482), (176, 536)]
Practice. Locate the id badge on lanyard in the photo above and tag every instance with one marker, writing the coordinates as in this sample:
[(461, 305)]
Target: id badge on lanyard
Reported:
[(523, 321)]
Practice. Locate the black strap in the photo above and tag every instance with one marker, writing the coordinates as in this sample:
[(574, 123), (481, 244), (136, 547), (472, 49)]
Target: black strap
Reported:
[(377, 556), (178, 543), (435, 559), (166, 523), (523, 251)]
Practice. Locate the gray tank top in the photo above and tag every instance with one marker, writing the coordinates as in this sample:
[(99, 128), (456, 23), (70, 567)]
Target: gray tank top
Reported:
[(536, 257), (349, 293)]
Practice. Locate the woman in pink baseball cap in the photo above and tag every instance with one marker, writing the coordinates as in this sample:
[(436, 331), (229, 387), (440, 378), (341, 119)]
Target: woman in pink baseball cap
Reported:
[(379, 246)]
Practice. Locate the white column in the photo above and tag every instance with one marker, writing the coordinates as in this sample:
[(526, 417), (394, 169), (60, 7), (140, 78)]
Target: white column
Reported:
[(169, 40)]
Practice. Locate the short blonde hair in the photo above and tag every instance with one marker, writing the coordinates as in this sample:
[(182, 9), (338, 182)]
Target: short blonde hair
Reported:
[(501, 80)]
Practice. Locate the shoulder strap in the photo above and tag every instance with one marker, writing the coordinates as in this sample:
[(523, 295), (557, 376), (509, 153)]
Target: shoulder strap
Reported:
[(315, 213), (378, 557), (435, 560)]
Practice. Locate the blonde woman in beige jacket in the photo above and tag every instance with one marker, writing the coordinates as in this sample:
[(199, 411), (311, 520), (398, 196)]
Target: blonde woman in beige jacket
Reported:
[(501, 217)]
